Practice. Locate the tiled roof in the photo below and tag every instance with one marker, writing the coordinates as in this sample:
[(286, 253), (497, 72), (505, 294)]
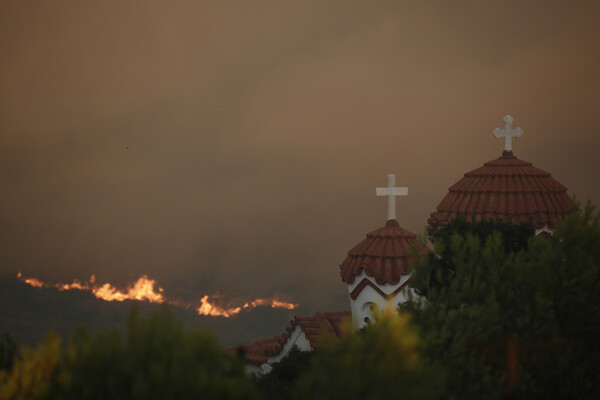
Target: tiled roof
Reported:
[(324, 322), (257, 353), (506, 189), (384, 255)]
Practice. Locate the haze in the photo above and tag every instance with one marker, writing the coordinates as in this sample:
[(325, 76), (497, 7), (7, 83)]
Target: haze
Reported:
[(233, 148)]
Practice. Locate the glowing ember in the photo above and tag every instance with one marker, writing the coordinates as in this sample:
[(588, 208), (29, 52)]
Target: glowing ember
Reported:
[(146, 289)]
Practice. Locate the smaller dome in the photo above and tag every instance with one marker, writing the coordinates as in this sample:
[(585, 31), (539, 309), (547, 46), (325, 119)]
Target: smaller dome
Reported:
[(384, 255), (505, 189)]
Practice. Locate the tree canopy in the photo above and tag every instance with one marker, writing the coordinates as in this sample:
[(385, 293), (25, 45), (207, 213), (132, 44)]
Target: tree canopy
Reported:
[(380, 362), (518, 319), (156, 359), (8, 351), (281, 381)]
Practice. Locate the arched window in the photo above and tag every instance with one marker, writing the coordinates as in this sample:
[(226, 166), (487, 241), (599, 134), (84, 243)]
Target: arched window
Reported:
[(369, 308)]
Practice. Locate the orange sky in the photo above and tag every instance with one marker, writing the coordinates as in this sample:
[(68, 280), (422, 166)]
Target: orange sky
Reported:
[(234, 147)]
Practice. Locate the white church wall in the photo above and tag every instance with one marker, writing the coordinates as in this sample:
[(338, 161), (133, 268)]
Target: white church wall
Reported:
[(297, 338), (370, 301), (262, 370), (386, 287), (544, 229)]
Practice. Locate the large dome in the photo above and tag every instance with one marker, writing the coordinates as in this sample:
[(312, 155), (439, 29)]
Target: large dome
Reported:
[(506, 189)]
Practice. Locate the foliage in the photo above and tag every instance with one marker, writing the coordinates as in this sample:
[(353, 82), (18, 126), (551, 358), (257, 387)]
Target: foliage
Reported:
[(156, 359), (8, 351), (33, 372), (514, 238), (279, 383), (380, 362), (515, 321)]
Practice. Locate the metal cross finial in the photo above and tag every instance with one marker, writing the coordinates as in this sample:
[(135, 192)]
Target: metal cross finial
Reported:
[(391, 191), (508, 132)]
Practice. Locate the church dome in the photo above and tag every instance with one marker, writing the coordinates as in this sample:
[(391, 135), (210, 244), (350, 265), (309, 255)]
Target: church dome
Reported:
[(506, 189), (385, 255)]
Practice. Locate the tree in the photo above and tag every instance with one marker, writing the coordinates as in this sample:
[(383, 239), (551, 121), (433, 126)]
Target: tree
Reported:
[(8, 351), (33, 372), (519, 319), (514, 238), (157, 359), (380, 362), (280, 382)]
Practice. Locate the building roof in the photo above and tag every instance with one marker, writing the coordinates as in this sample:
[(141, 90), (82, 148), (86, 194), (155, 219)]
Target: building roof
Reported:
[(506, 189), (325, 322), (384, 255), (257, 353)]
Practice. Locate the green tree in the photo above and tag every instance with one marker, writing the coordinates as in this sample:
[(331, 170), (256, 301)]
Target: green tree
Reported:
[(379, 362), (8, 351), (519, 321), (441, 265), (33, 373), (157, 359), (279, 383)]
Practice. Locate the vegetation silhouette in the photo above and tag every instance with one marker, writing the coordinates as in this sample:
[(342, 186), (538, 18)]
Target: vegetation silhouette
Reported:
[(518, 319), (381, 361), (8, 351), (155, 359)]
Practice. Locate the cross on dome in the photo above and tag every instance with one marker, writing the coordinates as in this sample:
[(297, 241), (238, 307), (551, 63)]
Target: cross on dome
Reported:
[(391, 191), (508, 132)]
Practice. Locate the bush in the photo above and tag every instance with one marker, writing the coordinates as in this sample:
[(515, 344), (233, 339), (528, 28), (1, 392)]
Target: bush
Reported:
[(379, 362), (156, 359), (8, 351)]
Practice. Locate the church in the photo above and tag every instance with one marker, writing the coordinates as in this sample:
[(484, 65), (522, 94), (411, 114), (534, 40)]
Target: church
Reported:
[(376, 270)]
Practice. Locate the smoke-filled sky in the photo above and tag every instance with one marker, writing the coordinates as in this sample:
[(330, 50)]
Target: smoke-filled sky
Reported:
[(233, 147)]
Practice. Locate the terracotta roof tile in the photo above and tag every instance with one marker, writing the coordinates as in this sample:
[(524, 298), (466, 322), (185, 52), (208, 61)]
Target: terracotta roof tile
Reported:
[(327, 322), (384, 255), (507, 189)]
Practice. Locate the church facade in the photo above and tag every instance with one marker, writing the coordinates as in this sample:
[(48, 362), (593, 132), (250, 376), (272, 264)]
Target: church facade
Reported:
[(376, 270)]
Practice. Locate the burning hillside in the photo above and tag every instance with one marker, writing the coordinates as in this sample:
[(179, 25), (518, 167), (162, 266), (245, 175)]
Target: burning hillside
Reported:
[(146, 289)]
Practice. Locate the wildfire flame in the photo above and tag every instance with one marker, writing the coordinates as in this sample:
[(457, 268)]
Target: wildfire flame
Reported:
[(146, 289), (31, 281), (142, 289), (206, 308), (209, 309)]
